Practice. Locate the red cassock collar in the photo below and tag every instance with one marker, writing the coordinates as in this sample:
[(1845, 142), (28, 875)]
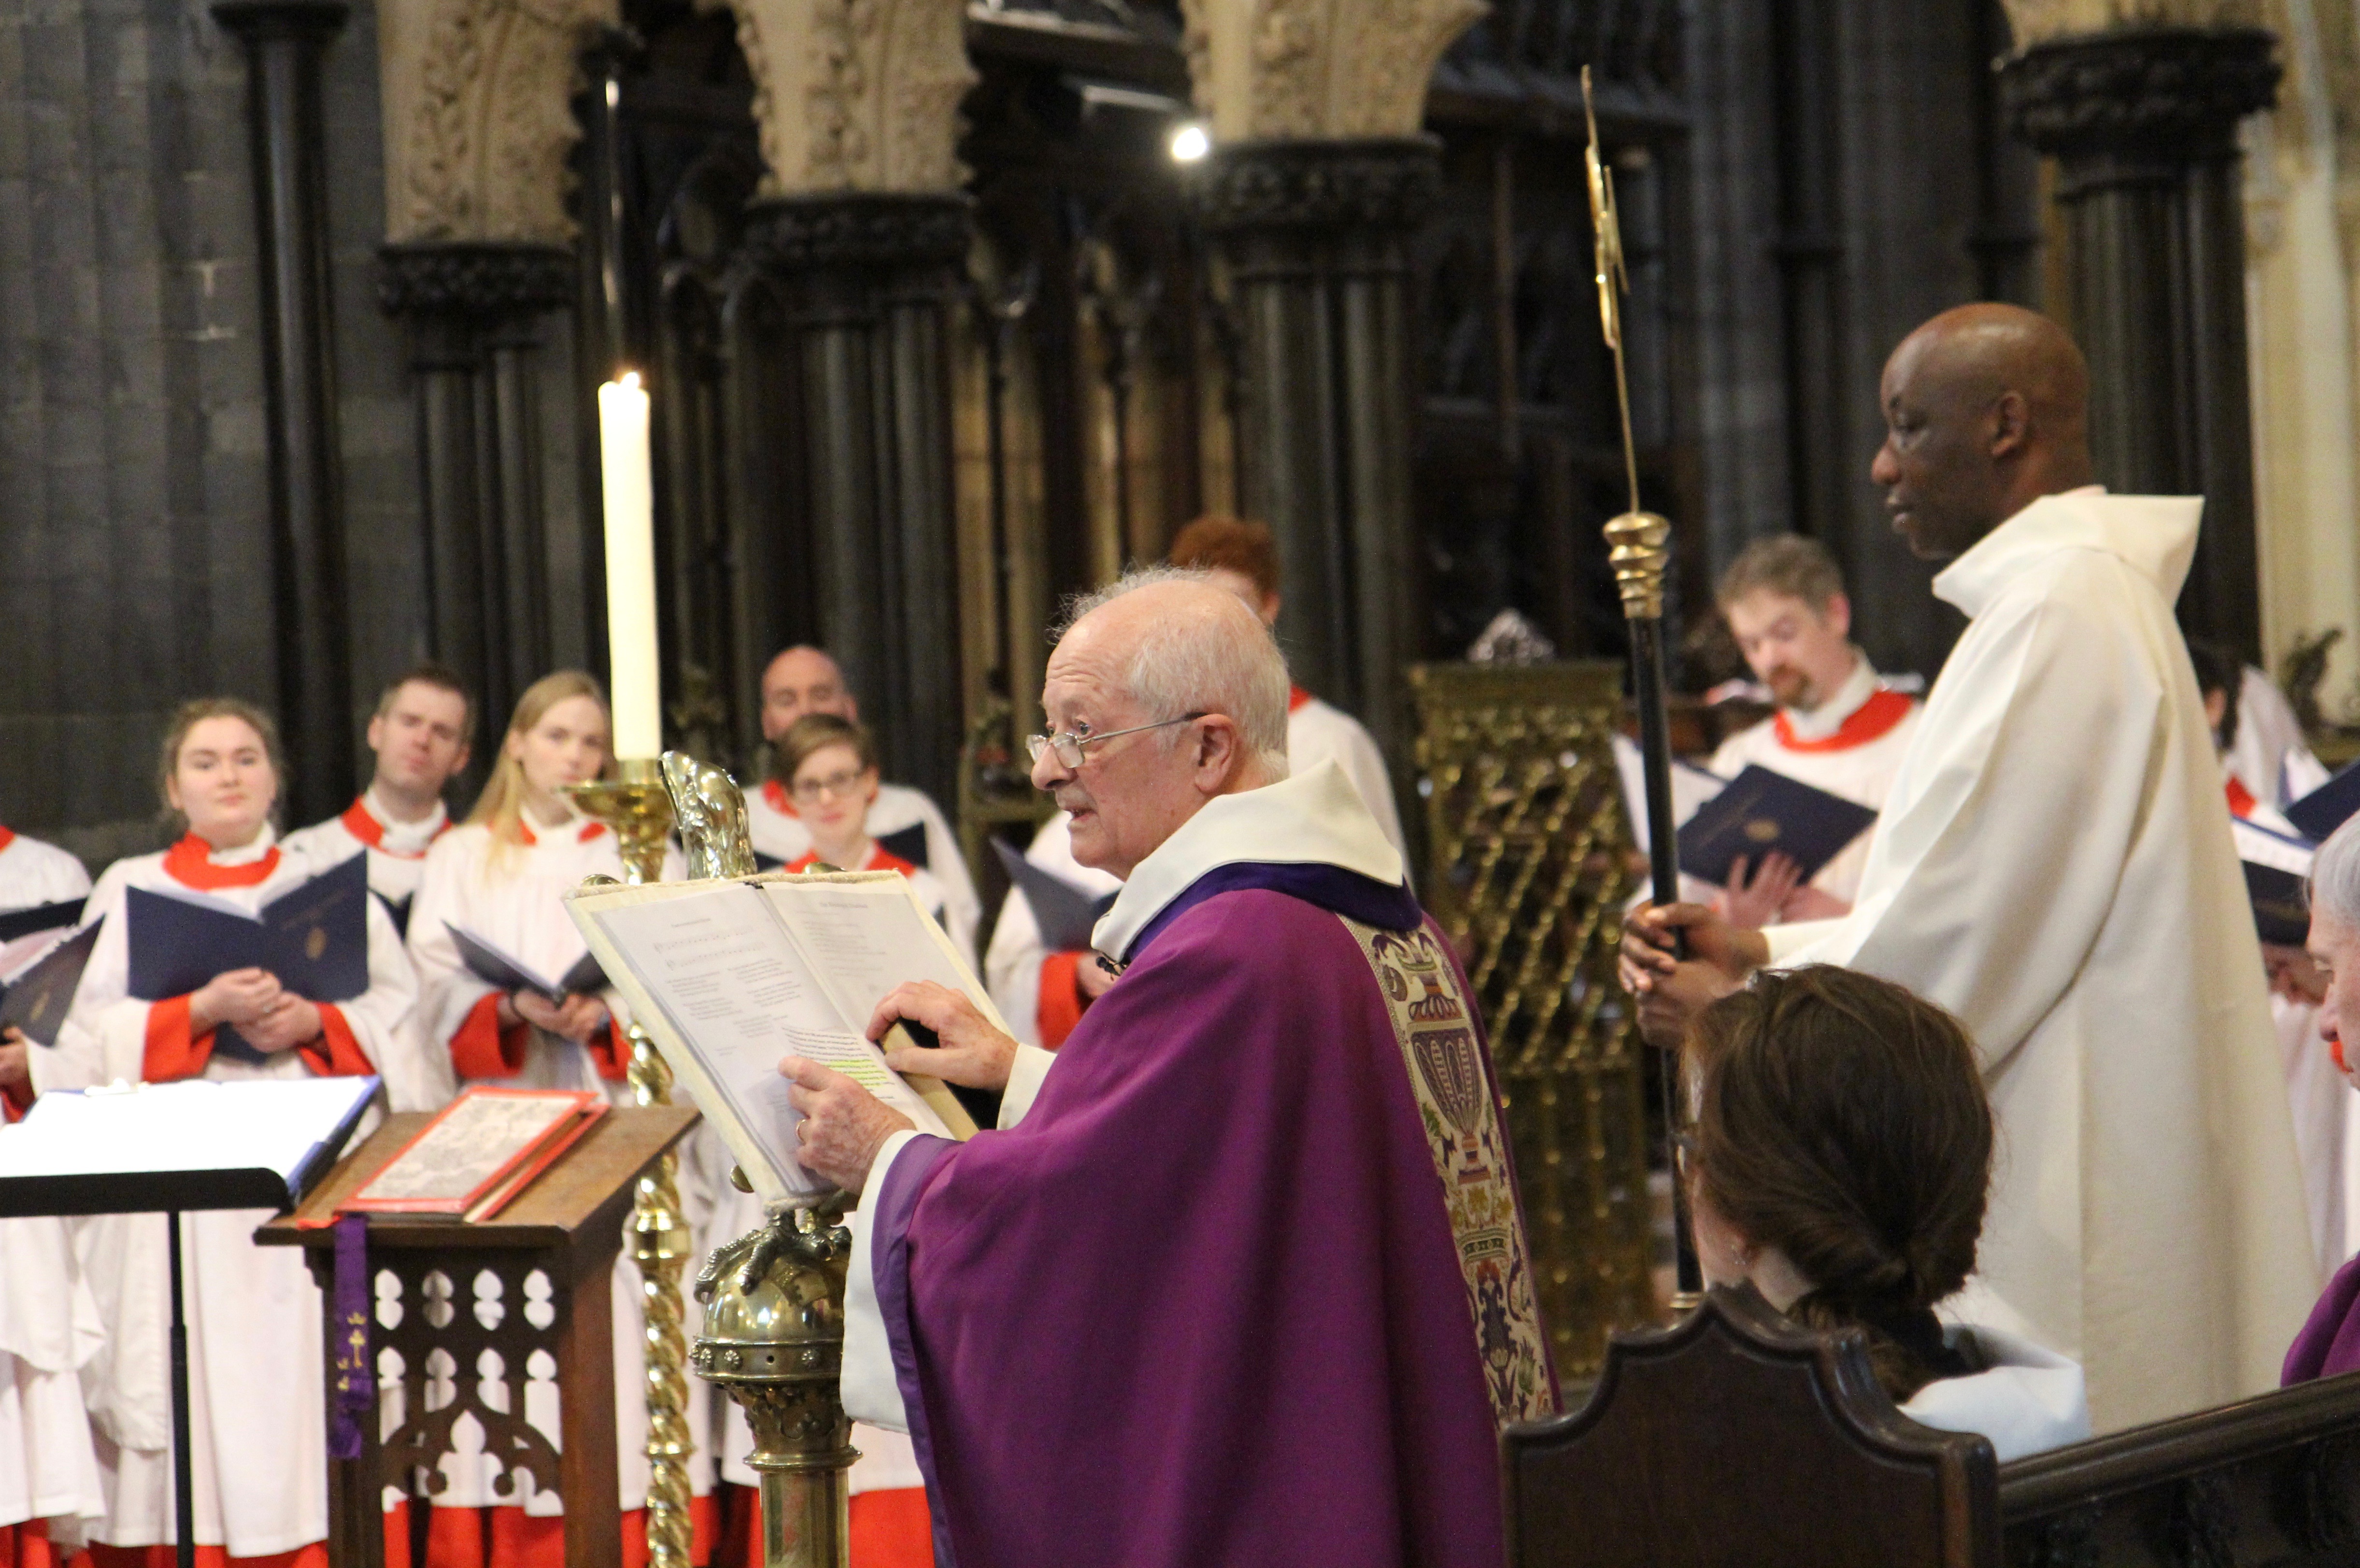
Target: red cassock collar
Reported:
[(776, 794), (1295, 698), (880, 859), (359, 823), (7, 837), (2241, 799), (1873, 720), (190, 863), (589, 830)]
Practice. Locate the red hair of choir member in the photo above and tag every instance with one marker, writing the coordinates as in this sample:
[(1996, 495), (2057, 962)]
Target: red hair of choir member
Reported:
[(502, 874), (259, 1437)]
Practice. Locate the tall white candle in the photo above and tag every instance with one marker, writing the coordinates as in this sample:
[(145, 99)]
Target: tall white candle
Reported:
[(635, 682)]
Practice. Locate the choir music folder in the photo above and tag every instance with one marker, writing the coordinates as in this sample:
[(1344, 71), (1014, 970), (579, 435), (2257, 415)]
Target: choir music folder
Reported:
[(313, 938), (496, 966), (1691, 788), (40, 918), (2277, 870), (1763, 811), (37, 996), (2325, 809), (729, 974), (1065, 914)]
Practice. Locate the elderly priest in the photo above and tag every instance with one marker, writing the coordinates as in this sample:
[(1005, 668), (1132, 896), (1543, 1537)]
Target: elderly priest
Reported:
[(1244, 1278)]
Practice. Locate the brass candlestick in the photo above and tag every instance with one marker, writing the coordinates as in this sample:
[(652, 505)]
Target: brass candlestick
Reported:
[(636, 806)]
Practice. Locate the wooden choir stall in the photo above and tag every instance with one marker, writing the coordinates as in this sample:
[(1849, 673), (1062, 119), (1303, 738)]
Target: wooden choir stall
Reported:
[(536, 1278), (1735, 1439)]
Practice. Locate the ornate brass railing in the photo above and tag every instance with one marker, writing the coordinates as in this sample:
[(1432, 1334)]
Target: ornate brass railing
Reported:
[(1527, 871)]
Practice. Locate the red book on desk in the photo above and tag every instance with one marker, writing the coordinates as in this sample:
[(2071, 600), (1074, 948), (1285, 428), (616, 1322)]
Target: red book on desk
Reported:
[(485, 1147)]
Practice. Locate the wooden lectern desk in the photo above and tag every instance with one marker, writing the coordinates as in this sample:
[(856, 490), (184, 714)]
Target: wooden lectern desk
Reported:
[(536, 1279)]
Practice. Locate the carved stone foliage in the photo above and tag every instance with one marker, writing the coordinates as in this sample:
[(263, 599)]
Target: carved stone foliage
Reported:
[(857, 94), (479, 280), (858, 229), (1284, 70), (2164, 96), (477, 122), (1385, 183), (2039, 21)]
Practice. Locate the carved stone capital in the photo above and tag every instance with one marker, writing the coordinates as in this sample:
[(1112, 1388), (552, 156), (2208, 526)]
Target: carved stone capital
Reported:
[(479, 121), (865, 229), (2139, 103), (1271, 69), (1320, 184), (2042, 21), (481, 281), (857, 94)]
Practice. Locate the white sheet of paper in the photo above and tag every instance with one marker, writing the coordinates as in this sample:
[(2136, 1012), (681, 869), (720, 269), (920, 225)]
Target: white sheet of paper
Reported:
[(864, 938), (721, 969), (192, 1123)]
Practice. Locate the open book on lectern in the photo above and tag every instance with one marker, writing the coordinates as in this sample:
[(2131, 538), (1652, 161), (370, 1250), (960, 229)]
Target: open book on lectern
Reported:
[(729, 974)]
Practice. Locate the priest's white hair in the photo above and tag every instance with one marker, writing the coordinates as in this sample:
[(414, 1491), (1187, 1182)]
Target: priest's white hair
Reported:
[(2336, 874), (1222, 661)]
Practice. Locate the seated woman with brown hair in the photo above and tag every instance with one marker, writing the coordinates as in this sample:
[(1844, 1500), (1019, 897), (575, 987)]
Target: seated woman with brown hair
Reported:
[(1840, 1162)]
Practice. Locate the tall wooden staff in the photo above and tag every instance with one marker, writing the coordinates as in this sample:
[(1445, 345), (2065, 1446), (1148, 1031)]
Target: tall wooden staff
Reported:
[(1637, 550)]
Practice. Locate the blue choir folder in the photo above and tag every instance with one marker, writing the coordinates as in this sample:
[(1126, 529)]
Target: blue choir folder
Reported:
[(496, 966), (313, 938), (1761, 812), (18, 923), (2277, 870), (1065, 914), (2323, 811), (39, 995)]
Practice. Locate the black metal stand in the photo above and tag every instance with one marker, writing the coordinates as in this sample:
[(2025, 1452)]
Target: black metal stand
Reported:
[(184, 1466)]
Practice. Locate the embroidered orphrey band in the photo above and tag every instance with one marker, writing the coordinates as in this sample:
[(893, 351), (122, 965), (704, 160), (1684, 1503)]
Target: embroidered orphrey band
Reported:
[(1435, 1029)]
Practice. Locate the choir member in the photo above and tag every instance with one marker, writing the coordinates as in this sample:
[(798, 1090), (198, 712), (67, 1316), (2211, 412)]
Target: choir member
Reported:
[(1840, 1163), (1044, 994), (2330, 1341), (49, 1326), (1838, 727), (1233, 1288), (502, 875), (254, 1313), (422, 734), (2055, 867), (806, 681)]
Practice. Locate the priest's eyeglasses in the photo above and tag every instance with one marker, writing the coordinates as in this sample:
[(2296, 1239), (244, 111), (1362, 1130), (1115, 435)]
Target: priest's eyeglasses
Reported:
[(1071, 744)]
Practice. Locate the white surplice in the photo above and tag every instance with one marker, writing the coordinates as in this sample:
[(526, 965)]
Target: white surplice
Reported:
[(49, 1327), (1849, 745), (2054, 866), (256, 1381), (515, 900)]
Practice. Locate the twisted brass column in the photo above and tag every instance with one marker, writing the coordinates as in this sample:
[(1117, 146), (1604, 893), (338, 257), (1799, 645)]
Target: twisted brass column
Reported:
[(639, 809)]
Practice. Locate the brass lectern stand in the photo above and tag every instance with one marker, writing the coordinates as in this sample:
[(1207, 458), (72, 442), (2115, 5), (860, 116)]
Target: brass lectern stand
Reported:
[(536, 1278)]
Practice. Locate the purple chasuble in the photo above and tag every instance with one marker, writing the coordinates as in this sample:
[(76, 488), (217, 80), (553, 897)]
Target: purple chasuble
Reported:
[(2330, 1340), (1203, 1304)]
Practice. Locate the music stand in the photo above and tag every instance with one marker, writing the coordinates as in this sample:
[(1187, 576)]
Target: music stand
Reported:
[(60, 1175)]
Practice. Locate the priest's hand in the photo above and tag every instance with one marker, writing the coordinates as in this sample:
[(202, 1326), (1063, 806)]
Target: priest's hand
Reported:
[(844, 1125), (1651, 935), (14, 1067), (240, 997), (973, 1055)]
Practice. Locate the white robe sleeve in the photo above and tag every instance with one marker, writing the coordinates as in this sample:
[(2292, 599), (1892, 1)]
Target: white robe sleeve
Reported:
[(962, 910), (80, 1061), (447, 989), (1011, 966), (1986, 888), (1024, 1075), (871, 1392)]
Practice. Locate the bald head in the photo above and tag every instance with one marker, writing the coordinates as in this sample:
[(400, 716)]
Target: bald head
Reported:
[(803, 679), (1986, 410), (1172, 649)]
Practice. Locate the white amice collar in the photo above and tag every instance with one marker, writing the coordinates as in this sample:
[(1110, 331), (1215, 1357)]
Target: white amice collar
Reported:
[(401, 837), (1818, 724), (1314, 819), (245, 853)]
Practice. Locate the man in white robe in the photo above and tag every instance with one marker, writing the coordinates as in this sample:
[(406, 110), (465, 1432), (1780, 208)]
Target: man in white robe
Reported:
[(2055, 866), (905, 820)]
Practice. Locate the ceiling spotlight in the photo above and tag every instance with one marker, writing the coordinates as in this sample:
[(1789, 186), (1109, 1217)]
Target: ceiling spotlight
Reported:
[(1190, 142)]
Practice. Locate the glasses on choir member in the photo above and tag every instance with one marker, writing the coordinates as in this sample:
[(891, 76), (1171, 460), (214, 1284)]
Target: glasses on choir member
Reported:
[(815, 790), (1071, 745)]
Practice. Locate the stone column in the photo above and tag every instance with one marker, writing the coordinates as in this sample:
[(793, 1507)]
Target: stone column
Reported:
[(1317, 176), (474, 316), (478, 129), (861, 222), (2142, 120), (284, 40)]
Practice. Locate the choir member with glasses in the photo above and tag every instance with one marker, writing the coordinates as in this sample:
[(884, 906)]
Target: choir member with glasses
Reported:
[(502, 877), (1840, 1163), (804, 680), (422, 734), (259, 1434)]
